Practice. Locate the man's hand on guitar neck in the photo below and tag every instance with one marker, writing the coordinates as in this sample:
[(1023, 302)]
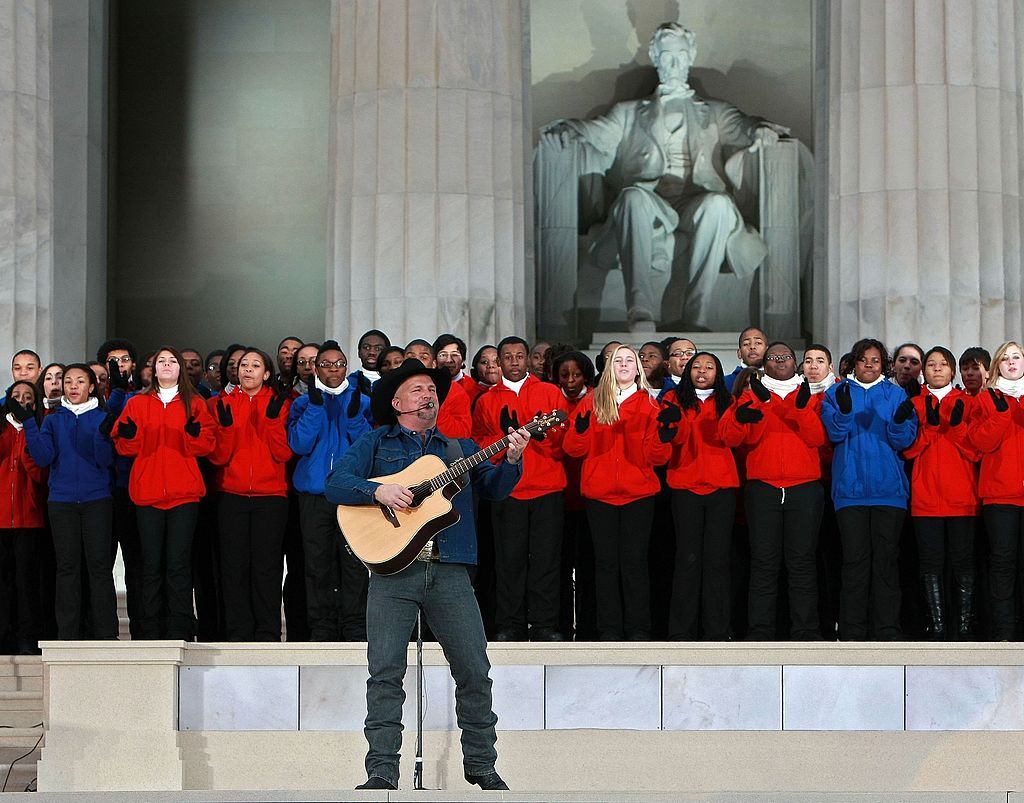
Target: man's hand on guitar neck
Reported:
[(393, 495), (517, 442)]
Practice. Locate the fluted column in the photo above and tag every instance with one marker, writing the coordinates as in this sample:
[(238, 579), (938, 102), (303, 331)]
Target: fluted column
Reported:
[(427, 152), (26, 174), (924, 215)]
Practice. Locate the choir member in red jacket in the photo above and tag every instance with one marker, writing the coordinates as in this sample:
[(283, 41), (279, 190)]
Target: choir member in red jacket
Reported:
[(615, 431)]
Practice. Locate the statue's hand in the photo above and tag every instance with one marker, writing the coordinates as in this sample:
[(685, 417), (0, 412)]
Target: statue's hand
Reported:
[(763, 137), (559, 135)]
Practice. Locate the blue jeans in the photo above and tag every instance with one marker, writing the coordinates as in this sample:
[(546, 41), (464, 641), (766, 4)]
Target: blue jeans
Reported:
[(449, 606)]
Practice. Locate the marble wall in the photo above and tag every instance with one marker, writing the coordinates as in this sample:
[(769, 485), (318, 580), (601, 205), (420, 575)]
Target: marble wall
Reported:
[(221, 220)]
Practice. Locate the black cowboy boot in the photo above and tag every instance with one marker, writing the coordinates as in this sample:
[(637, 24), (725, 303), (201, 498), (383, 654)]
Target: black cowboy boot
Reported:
[(965, 597), (932, 587)]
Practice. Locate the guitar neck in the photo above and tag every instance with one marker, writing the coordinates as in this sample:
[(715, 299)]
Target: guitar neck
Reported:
[(464, 464)]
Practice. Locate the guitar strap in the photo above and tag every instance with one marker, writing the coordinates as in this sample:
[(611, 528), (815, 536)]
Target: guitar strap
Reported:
[(454, 451)]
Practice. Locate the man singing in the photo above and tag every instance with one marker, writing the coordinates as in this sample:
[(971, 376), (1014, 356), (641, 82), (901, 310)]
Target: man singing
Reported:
[(405, 403)]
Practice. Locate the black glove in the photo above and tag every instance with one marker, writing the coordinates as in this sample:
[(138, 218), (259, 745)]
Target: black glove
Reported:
[(19, 411), (803, 395), (903, 412), (957, 416), (538, 436), (107, 425), (913, 388), (508, 419), (759, 390), (353, 404), (192, 427), (582, 422), (931, 411), (999, 400), (127, 429), (114, 376), (746, 414), (316, 396), (669, 415), (275, 405), (224, 414), (843, 398)]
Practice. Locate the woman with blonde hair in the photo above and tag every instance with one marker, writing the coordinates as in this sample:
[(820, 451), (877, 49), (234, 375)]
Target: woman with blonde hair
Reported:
[(615, 431), (996, 430)]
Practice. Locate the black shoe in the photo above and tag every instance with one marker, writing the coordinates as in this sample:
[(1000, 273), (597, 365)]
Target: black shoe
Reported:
[(491, 782), (545, 634), (509, 634), (376, 782)]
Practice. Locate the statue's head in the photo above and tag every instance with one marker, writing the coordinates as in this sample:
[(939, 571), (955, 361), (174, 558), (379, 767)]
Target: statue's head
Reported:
[(673, 49)]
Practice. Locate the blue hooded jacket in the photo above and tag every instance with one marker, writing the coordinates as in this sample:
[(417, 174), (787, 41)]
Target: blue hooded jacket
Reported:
[(78, 455), (867, 468), (321, 433)]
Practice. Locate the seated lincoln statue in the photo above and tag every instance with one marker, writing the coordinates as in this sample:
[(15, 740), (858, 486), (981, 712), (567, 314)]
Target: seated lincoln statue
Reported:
[(673, 220)]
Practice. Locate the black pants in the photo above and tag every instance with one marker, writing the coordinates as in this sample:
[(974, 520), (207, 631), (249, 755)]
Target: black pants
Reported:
[(1005, 527), (206, 570), (932, 534), (700, 583), (527, 558), (622, 537), (81, 538), (19, 586), (251, 555), (871, 578), (336, 581), (294, 592), (126, 533), (166, 537), (578, 597), (784, 524)]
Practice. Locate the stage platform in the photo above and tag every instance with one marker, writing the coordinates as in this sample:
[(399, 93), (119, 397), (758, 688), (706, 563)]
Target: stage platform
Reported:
[(903, 721)]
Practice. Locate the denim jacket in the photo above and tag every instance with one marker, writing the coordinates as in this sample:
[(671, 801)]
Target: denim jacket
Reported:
[(388, 450)]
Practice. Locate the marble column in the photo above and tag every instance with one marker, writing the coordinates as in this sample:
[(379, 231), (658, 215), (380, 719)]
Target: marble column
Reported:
[(26, 175), (924, 212), (428, 153)]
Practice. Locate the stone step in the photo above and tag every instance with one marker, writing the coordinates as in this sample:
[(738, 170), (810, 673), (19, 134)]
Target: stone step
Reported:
[(22, 776), (21, 718), (20, 701), (18, 737), (21, 683), (21, 666)]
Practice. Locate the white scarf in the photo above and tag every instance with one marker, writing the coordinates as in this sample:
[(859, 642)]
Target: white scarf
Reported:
[(824, 384), (939, 393), (1011, 387), (869, 385), (580, 395), (14, 422), (676, 379), (621, 394), (373, 376), (331, 391), (50, 404), (783, 387), (90, 404), (167, 394), (515, 387), (229, 388), (704, 395)]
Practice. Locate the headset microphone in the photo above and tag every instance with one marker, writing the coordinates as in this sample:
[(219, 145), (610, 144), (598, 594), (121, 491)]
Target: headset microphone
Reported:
[(425, 406)]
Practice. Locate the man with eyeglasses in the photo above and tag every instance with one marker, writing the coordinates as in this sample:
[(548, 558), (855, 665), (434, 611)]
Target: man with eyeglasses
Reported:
[(119, 357), (322, 425), (680, 351), (752, 345)]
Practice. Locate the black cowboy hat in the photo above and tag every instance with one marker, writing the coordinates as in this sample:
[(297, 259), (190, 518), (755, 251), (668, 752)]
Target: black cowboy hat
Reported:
[(386, 387)]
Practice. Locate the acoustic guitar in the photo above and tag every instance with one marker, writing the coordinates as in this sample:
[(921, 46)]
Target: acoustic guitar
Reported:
[(388, 540)]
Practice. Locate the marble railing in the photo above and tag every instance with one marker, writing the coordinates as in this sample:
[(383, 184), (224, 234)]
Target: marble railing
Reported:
[(876, 717)]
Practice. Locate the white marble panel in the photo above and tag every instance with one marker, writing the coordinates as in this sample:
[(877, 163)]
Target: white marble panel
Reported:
[(518, 697), (842, 698), (722, 698), (952, 698), (238, 698), (608, 697), (438, 699), (332, 698)]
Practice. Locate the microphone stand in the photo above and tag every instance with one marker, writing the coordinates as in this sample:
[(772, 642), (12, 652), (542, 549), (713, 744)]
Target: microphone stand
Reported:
[(417, 775)]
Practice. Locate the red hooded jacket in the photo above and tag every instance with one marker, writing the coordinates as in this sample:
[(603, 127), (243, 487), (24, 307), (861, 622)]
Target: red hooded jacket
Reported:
[(23, 489), (254, 449)]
